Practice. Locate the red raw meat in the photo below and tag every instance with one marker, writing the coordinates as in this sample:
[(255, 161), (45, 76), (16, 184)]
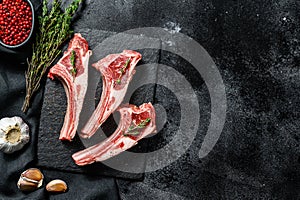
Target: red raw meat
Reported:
[(135, 124), (117, 71), (74, 77)]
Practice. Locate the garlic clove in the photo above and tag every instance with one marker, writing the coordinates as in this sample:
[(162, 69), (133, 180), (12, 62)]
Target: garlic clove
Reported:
[(14, 134), (30, 180), (56, 186), (33, 174), (26, 186)]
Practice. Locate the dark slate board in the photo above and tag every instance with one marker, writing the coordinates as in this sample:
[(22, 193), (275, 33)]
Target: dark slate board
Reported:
[(55, 154)]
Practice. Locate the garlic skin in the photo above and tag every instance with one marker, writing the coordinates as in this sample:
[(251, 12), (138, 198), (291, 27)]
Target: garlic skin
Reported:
[(30, 180), (14, 134)]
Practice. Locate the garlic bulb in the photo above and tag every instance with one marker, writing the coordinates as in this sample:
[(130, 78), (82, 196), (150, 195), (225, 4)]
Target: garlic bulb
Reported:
[(14, 134)]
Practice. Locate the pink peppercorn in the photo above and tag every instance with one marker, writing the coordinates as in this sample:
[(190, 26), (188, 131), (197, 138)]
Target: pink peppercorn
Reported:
[(15, 21)]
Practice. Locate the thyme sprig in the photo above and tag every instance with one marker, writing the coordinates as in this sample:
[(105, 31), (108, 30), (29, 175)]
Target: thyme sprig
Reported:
[(122, 70), (134, 129), (54, 30), (73, 71)]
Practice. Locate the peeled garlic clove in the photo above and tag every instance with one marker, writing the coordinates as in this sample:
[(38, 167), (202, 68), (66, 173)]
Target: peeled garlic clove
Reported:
[(56, 186), (14, 134), (30, 180)]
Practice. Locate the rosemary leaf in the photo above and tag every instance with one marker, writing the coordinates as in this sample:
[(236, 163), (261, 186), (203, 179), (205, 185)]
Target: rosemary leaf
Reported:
[(135, 133), (134, 130)]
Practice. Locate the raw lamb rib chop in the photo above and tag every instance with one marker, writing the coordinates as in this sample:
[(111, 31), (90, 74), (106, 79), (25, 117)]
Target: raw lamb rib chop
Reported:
[(72, 71), (135, 124), (117, 71)]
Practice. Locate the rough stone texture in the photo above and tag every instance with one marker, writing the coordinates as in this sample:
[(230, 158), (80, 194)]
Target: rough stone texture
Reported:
[(54, 154), (255, 44)]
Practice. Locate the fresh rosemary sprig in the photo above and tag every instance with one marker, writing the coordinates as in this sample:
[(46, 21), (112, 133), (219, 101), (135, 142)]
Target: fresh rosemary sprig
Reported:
[(122, 70), (73, 71), (54, 30), (134, 130), (73, 58), (125, 66)]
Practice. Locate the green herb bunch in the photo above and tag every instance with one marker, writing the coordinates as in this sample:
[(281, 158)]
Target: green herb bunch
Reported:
[(54, 30)]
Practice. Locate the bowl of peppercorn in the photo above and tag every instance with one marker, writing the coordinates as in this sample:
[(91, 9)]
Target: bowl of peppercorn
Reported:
[(16, 23)]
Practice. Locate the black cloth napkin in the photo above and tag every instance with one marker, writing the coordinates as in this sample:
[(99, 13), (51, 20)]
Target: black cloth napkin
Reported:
[(12, 90), (12, 94)]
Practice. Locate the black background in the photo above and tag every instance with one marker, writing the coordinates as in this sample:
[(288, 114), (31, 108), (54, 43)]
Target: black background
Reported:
[(255, 45)]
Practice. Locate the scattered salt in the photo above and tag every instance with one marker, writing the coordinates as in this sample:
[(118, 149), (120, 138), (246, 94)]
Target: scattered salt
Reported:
[(172, 27)]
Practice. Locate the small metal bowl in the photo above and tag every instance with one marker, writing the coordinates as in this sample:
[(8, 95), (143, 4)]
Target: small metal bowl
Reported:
[(29, 36)]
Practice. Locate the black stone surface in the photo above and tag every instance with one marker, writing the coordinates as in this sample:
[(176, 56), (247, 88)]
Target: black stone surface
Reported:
[(12, 94), (55, 154), (255, 45)]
